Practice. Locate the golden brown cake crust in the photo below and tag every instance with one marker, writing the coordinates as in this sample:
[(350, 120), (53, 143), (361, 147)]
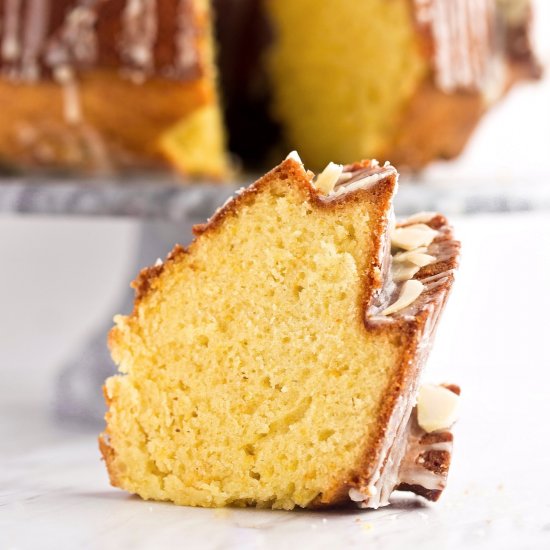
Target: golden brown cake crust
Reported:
[(435, 125), (412, 327), (382, 195), (35, 136), (107, 452)]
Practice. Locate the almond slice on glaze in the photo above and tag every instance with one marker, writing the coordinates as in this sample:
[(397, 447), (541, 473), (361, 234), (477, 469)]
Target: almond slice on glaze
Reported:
[(403, 271), (437, 408), (421, 217), (328, 178), (413, 236), (416, 257), (365, 181), (410, 291), (294, 156)]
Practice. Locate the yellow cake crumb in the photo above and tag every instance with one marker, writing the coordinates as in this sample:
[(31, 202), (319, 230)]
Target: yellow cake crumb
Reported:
[(248, 376)]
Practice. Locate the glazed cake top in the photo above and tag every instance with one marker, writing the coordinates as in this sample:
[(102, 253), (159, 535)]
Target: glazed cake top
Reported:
[(140, 38)]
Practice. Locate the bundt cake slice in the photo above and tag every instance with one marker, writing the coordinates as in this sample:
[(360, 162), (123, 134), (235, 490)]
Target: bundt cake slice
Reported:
[(275, 361)]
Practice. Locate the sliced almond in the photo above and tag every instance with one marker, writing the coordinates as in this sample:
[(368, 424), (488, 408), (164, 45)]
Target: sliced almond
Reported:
[(410, 291), (365, 181), (415, 257), (413, 236), (421, 217), (328, 178), (437, 408), (403, 271), (293, 155), (356, 495)]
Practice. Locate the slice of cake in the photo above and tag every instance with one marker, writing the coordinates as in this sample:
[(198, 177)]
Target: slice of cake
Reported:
[(276, 360), (108, 86)]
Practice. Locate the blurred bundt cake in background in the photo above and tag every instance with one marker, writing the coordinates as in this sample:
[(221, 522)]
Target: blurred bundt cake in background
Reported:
[(406, 80), (126, 85)]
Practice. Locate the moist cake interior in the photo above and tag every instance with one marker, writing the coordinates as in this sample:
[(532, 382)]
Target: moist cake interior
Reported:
[(249, 376)]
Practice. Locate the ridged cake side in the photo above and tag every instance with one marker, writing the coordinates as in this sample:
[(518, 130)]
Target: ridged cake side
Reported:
[(417, 323)]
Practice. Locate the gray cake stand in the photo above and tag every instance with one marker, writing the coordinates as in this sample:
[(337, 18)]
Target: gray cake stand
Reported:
[(167, 210), (163, 198)]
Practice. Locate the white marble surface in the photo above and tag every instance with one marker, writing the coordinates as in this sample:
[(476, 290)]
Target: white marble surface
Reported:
[(493, 340)]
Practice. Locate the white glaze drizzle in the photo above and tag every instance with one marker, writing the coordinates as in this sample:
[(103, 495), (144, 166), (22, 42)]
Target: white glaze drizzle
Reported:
[(25, 41), (11, 45), (72, 113), (401, 460), (413, 470), (465, 47), (348, 182), (79, 34), (139, 33), (96, 148), (72, 110), (367, 181), (446, 446), (37, 19), (423, 477), (76, 40), (410, 291), (388, 476), (395, 428), (77, 43), (186, 50), (358, 495)]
